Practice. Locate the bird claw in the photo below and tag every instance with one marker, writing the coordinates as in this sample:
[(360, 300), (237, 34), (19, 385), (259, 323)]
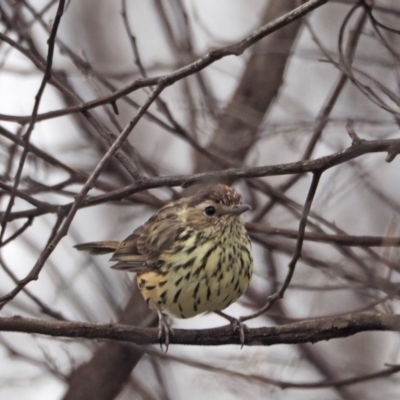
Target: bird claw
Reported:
[(164, 329), (239, 326)]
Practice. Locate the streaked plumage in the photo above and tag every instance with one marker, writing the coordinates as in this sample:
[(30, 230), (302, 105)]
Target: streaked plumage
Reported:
[(192, 256)]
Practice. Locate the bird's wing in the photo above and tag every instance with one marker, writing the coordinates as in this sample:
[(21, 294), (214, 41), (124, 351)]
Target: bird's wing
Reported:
[(140, 251)]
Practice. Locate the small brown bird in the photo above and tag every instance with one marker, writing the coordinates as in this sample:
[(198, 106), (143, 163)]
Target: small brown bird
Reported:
[(192, 256)]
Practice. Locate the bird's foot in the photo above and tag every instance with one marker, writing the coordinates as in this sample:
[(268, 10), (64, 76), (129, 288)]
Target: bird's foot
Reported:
[(164, 330), (237, 326)]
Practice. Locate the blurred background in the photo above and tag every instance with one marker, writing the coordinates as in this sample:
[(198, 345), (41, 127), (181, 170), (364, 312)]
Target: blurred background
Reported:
[(285, 99)]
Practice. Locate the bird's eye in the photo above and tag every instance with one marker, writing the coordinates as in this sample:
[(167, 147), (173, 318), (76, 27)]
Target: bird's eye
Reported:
[(210, 210)]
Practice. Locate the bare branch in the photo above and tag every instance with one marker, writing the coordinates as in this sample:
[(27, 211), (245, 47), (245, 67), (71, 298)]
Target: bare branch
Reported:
[(311, 331)]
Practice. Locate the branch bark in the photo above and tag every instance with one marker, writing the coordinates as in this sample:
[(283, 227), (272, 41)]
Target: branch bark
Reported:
[(309, 331)]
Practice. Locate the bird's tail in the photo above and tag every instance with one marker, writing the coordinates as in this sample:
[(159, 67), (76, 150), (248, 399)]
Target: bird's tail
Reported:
[(96, 248)]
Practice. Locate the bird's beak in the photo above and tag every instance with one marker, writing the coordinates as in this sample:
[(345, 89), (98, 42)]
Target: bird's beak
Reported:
[(239, 209)]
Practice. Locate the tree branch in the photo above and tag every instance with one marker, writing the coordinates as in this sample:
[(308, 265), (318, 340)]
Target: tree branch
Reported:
[(309, 331), (190, 69)]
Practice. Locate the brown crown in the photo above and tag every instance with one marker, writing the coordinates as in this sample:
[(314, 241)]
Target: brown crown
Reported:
[(220, 194)]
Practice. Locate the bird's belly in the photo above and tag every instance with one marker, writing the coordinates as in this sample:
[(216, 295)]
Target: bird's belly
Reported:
[(216, 278)]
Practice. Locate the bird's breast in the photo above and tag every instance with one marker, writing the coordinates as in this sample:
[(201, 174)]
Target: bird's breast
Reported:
[(200, 274)]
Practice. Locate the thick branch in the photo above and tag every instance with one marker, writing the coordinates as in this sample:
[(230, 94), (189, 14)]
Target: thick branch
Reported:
[(310, 331)]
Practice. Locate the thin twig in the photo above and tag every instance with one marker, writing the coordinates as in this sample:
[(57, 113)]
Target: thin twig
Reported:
[(33, 117), (34, 273), (297, 253), (191, 69)]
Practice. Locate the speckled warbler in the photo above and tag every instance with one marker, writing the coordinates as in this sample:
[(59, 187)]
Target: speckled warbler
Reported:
[(192, 256)]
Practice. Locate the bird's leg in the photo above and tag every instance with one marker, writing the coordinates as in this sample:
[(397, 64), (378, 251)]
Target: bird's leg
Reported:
[(237, 325), (164, 328)]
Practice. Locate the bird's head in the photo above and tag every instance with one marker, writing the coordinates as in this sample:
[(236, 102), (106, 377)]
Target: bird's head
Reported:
[(214, 206)]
